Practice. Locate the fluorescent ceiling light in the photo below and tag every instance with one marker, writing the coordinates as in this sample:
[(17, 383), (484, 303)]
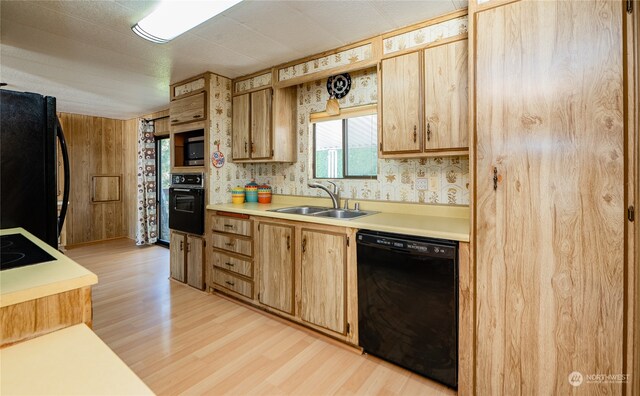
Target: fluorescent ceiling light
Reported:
[(174, 17)]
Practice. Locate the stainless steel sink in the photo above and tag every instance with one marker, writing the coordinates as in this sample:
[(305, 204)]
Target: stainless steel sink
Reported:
[(303, 210), (342, 213), (317, 211)]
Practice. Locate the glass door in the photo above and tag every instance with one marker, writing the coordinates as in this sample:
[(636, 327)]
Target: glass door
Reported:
[(163, 174)]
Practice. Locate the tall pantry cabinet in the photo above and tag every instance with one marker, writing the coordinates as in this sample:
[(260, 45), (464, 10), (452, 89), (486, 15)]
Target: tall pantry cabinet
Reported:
[(549, 209)]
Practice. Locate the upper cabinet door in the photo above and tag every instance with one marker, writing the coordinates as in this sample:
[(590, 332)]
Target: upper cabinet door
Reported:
[(189, 109), (446, 96), (241, 125), (401, 115), (261, 124)]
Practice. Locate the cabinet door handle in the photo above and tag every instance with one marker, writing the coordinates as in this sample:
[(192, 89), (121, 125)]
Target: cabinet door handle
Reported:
[(253, 148), (245, 146), (229, 283), (288, 242), (188, 246), (415, 133), (197, 116), (428, 132), (229, 243), (174, 120), (229, 264), (304, 245), (228, 226), (181, 245), (495, 178)]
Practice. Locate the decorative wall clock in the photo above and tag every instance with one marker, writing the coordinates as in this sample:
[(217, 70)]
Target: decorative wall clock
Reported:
[(339, 85)]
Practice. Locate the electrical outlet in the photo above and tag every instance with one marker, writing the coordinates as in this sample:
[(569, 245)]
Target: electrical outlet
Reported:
[(422, 184), (434, 183)]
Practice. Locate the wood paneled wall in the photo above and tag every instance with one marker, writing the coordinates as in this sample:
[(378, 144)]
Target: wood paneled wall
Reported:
[(95, 148), (103, 146)]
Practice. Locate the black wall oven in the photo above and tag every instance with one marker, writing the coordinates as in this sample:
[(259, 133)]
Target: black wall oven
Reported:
[(186, 203)]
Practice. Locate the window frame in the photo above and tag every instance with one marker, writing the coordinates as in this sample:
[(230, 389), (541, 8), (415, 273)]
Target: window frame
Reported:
[(345, 114), (157, 141)]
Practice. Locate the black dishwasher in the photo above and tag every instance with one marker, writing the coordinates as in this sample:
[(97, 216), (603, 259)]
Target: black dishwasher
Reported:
[(408, 302)]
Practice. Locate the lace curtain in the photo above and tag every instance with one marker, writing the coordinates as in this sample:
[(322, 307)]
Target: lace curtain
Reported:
[(146, 224)]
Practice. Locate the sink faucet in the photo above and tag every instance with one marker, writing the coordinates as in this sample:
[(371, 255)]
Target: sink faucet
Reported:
[(335, 195)]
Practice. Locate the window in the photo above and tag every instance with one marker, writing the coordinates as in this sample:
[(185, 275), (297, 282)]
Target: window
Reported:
[(345, 147)]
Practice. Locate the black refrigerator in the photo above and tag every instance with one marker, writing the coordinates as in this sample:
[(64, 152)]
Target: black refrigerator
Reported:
[(29, 134)]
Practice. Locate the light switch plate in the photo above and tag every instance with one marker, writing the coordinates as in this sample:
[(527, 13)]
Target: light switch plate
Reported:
[(422, 184)]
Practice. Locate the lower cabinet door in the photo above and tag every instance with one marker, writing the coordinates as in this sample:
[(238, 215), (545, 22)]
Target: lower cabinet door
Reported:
[(177, 256), (275, 260), (324, 279), (195, 262)]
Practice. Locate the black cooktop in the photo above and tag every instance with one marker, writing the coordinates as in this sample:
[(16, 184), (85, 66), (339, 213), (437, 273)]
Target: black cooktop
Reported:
[(16, 250)]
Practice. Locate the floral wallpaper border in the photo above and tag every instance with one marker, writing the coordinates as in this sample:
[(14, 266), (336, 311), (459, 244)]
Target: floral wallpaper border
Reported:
[(426, 35), (188, 87), (254, 82), (353, 55)]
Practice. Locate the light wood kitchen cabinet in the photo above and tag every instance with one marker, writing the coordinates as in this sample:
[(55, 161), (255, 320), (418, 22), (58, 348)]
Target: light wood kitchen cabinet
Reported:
[(446, 96), (252, 128), (307, 273), (187, 259), (233, 283), (178, 269), (230, 267), (188, 109), (261, 144), (264, 126), (233, 244), (324, 279), (198, 104), (232, 263), (241, 127), (401, 104), (550, 197), (231, 225), (275, 258), (195, 261), (424, 102)]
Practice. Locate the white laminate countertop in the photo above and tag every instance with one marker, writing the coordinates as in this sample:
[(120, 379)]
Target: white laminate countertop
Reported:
[(44, 279), (71, 361), (445, 223)]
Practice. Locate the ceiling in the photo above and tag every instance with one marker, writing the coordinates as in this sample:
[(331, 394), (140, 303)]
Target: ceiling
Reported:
[(85, 54)]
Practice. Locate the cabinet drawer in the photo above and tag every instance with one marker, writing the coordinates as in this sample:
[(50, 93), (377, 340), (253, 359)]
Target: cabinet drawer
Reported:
[(191, 108), (232, 244), (231, 225), (233, 283), (233, 264)]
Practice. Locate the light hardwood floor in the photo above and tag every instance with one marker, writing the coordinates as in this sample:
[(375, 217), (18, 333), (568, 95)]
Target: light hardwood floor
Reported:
[(183, 341)]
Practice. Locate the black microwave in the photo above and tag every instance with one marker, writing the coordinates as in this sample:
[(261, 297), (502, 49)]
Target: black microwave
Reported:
[(194, 151)]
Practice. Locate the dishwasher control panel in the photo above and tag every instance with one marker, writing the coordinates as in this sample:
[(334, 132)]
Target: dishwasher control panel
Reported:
[(431, 247)]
